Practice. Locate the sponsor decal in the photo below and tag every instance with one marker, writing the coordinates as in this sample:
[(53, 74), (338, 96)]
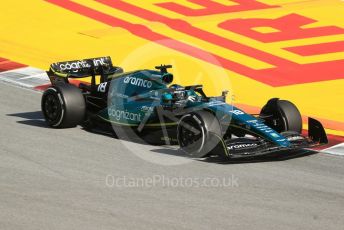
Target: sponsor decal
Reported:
[(294, 138), (99, 61), (263, 128), (242, 146), (237, 112), (281, 140), (274, 135), (124, 115), (215, 103), (146, 109), (138, 82), (102, 87), (74, 65)]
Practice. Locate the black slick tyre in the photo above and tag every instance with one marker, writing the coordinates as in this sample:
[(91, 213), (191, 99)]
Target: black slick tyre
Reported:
[(63, 106), (198, 133), (282, 116)]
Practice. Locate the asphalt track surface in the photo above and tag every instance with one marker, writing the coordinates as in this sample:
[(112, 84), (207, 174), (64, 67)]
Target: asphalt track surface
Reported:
[(56, 179)]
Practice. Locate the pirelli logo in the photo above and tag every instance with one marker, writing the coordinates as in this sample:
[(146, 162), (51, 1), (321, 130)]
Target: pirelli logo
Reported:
[(279, 70)]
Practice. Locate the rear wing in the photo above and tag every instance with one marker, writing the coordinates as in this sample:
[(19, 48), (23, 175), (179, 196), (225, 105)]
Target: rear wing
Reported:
[(61, 71)]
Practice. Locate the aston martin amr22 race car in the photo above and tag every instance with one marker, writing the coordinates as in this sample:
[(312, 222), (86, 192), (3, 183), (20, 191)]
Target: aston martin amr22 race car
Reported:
[(144, 105)]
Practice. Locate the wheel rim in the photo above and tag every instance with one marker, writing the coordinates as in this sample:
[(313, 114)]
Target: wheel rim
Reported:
[(52, 107), (191, 135), (279, 123)]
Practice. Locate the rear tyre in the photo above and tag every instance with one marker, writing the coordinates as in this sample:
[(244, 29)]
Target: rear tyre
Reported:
[(63, 106), (282, 116), (198, 133)]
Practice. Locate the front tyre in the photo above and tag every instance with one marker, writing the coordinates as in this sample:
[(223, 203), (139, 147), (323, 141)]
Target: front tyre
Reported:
[(63, 106), (282, 116), (198, 133)]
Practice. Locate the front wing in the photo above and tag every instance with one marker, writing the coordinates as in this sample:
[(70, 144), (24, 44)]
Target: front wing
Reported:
[(249, 147)]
